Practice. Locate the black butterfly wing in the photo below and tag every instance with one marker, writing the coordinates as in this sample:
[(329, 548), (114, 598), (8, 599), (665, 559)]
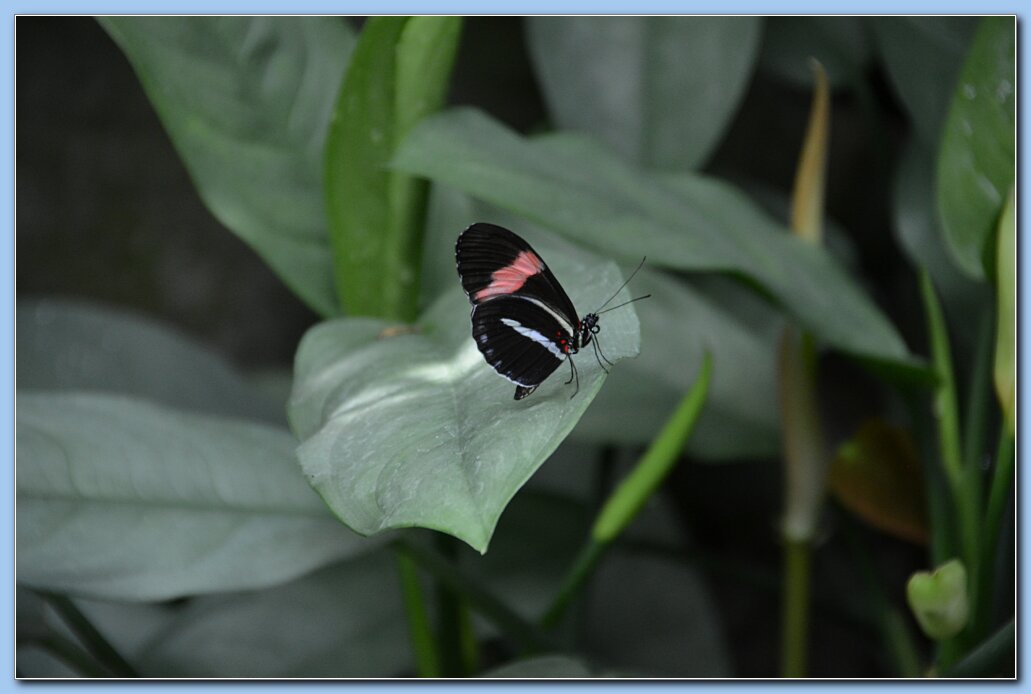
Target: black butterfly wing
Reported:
[(523, 340), (494, 262)]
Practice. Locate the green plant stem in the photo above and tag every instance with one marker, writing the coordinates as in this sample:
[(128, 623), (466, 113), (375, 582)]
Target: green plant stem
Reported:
[(526, 635), (451, 613), (963, 482), (1000, 495), (941, 535), (980, 395), (427, 659), (470, 648), (900, 642), (998, 500), (797, 557), (990, 654), (633, 492), (94, 641), (582, 568)]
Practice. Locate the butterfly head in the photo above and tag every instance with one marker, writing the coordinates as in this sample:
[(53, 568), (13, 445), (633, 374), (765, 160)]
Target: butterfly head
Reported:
[(588, 328)]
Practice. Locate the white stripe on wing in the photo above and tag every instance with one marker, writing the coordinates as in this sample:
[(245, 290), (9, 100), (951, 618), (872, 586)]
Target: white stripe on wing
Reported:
[(535, 336)]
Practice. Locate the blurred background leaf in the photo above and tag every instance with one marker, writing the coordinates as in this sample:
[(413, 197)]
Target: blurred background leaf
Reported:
[(660, 91), (923, 56), (119, 498), (653, 615), (918, 229), (345, 620), (72, 345), (975, 162), (247, 101), (877, 476)]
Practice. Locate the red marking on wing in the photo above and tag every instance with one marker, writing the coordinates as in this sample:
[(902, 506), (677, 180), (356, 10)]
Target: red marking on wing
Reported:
[(511, 278)]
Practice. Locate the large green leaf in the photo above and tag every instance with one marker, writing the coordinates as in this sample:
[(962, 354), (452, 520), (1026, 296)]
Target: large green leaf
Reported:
[(346, 620), (120, 498), (404, 428), (975, 162), (568, 184), (73, 345), (660, 91), (246, 102), (918, 232), (399, 74), (923, 56)]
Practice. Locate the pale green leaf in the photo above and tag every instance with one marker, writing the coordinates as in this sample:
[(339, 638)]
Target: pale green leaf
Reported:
[(246, 102), (413, 428), (74, 345), (661, 91), (121, 498)]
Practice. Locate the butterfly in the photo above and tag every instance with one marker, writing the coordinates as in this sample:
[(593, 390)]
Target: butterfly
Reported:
[(523, 321)]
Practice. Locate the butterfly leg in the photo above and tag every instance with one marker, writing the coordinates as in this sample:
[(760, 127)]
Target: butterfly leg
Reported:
[(575, 375), (599, 356)]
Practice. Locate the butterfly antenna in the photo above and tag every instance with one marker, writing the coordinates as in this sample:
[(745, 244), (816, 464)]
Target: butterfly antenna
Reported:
[(639, 265), (646, 296)]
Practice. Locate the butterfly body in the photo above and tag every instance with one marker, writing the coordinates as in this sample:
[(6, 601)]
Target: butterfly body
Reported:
[(523, 322)]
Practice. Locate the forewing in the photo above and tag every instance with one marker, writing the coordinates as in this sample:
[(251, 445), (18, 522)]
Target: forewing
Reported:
[(494, 262)]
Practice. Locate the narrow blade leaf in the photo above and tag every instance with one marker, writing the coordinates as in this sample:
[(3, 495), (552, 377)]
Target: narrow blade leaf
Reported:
[(399, 74)]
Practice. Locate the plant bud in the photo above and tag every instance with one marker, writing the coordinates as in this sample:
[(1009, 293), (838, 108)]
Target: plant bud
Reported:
[(939, 599)]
